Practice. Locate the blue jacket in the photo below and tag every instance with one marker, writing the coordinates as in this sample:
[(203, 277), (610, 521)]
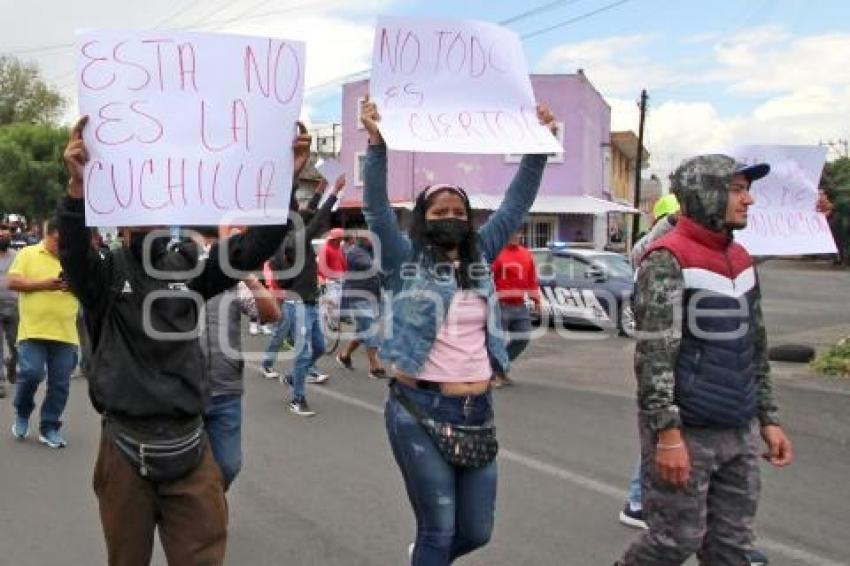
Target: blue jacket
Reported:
[(715, 370), (421, 297)]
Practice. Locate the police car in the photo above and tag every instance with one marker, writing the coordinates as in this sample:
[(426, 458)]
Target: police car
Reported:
[(585, 287)]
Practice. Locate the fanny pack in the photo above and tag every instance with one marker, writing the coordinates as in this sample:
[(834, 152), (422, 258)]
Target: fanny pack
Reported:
[(158, 458), (465, 446)]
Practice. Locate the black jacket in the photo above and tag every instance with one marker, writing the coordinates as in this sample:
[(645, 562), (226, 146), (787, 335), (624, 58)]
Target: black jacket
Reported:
[(359, 260), (135, 375), (305, 283)]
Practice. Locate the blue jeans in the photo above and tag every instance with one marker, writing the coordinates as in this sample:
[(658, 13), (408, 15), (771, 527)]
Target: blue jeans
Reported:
[(634, 488), (60, 359), (517, 322), (223, 422), (282, 331), (9, 329), (454, 507), (309, 343), (365, 318)]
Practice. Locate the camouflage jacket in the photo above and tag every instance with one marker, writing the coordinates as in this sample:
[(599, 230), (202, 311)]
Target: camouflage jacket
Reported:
[(660, 228), (658, 297)]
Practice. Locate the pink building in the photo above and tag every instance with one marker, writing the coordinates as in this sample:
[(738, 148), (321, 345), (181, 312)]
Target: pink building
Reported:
[(574, 198)]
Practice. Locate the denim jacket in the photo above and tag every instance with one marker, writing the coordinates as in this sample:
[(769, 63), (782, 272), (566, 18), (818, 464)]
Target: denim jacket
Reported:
[(420, 295)]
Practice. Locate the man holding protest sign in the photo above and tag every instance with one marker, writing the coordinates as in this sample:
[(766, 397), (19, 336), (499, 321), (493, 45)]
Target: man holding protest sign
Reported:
[(301, 304), (148, 374)]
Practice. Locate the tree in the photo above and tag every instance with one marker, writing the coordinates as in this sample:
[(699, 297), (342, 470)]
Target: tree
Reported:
[(32, 174), (24, 96), (835, 181)]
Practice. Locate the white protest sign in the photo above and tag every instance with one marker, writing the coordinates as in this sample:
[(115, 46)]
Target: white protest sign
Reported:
[(330, 170), (188, 128), (455, 87), (783, 219)]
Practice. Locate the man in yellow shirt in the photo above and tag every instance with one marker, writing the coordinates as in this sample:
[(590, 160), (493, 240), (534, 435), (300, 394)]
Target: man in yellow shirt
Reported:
[(47, 336)]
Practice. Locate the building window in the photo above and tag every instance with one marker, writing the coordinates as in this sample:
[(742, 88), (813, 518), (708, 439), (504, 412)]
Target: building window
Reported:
[(553, 157), (539, 231), (359, 162)]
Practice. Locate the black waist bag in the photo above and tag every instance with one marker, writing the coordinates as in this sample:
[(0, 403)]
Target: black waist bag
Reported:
[(160, 458), (464, 446)]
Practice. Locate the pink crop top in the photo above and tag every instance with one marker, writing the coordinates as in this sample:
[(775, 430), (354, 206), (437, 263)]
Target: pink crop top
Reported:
[(459, 353)]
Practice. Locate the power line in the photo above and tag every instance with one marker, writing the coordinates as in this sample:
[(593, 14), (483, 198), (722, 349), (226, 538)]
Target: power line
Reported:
[(221, 8), (338, 80), (246, 18), (574, 20), (535, 11), (177, 14), (242, 16), (358, 74), (54, 47), (61, 46)]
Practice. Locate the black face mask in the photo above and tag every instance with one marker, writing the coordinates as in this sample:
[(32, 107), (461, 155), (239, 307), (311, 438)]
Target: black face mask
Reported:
[(447, 233), (5, 243)]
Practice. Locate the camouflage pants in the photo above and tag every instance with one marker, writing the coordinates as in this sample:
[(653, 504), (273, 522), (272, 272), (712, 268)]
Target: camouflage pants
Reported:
[(713, 515)]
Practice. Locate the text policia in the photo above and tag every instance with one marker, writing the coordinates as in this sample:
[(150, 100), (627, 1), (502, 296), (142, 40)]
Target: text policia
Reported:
[(156, 100)]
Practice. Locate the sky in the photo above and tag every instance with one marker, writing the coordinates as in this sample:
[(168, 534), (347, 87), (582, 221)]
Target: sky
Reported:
[(717, 73)]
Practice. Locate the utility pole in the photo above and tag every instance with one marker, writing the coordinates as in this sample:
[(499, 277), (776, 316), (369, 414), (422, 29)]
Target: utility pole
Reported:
[(639, 163)]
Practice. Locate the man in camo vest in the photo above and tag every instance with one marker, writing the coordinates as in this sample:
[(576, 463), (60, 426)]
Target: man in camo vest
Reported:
[(704, 387)]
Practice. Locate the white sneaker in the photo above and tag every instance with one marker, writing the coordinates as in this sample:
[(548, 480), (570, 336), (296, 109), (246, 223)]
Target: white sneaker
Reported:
[(266, 329), (317, 378), (270, 373), (253, 328)]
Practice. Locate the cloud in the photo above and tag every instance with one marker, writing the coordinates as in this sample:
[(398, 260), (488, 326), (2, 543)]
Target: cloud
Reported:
[(807, 102), (707, 37), (772, 88), (769, 61), (612, 64)]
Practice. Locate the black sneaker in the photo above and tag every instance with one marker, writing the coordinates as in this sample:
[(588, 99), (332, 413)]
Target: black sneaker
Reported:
[(300, 407), (632, 518), (757, 558), (379, 373), (344, 362)]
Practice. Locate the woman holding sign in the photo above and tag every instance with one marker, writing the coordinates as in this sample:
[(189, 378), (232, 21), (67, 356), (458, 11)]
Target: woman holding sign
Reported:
[(443, 343)]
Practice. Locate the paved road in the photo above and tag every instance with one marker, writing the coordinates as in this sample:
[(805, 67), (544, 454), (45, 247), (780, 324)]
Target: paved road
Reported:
[(325, 491)]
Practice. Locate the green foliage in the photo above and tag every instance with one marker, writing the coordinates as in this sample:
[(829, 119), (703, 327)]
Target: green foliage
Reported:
[(835, 360), (24, 96), (32, 175), (835, 181)]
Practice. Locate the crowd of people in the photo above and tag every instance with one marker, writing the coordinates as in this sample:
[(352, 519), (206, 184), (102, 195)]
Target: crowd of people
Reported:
[(441, 310)]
